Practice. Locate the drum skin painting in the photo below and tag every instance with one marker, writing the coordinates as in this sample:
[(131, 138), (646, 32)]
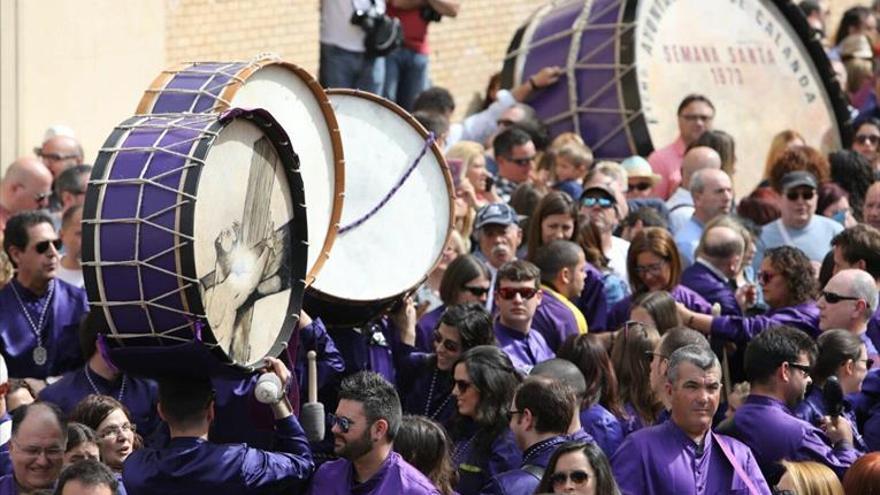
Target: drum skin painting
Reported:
[(190, 274), (629, 63)]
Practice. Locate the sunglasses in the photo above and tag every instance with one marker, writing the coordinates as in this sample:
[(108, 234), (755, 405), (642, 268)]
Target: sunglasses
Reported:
[(511, 414), (803, 367), (834, 298), (577, 477), (649, 356), (603, 203), (449, 345), (764, 278), (508, 293), (867, 138), (869, 363), (40, 197), (42, 247), (794, 195), (641, 186), (477, 291), (522, 162), (462, 385), (342, 422), (695, 117)]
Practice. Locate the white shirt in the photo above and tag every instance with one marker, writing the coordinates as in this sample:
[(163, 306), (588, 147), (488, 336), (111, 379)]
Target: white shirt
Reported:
[(479, 126), (336, 26), (72, 277), (617, 257), (681, 208)]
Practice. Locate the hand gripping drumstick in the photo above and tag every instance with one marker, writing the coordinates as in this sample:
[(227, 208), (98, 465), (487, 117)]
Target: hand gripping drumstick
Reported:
[(312, 414)]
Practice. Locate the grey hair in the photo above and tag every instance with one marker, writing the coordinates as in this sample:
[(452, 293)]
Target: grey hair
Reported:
[(700, 356), (698, 182), (863, 286)]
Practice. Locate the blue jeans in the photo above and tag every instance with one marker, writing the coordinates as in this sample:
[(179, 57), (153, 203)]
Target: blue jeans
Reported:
[(406, 75), (340, 68)]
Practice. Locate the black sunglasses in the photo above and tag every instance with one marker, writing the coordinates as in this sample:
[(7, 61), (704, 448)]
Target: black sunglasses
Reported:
[(511, 414), (794, 195), (42, 247), (522, 162), (462, 385), (508, 293), (869, 363), (641, 186), (649, 356), (577, 477), (806, 369), (477, 291), (834, 298), (867, 138), (342, 422), (449, 345)]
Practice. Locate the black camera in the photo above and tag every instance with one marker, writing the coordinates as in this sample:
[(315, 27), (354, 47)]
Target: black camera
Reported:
[(366, 19), (430, 15)]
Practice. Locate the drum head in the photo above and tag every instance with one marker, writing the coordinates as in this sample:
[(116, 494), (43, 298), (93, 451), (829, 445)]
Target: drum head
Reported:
[(394, 248)]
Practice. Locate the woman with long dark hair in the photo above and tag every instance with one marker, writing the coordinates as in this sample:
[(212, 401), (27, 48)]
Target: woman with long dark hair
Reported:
[(633, 371), (424, 444), (578, 468)]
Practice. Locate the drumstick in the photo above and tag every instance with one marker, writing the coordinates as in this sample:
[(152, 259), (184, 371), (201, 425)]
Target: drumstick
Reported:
[(313, 377), (725, 360)]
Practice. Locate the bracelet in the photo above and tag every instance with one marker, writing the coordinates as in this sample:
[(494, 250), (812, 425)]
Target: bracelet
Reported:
[(532, 83)]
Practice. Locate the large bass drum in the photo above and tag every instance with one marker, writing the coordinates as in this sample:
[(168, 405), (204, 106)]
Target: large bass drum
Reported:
[(193, 276), (629, 63)]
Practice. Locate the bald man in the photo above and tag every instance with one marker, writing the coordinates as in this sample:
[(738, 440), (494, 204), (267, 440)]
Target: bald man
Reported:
[(713, 274), (848, 301), (60, 153), (871, 209), (27, 185), (681, 203)]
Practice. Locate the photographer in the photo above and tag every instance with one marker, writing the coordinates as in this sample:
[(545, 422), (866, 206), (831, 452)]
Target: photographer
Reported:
[(345, 61), (406, 69)]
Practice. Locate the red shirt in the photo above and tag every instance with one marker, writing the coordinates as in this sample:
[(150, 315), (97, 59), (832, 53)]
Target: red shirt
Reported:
[(415, 29)]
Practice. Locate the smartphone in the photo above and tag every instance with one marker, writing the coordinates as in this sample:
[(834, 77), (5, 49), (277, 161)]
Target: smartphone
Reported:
[(490, 181), (455, 167)]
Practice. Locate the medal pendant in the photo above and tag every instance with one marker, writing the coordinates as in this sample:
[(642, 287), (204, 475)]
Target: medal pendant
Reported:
[(40, 355)]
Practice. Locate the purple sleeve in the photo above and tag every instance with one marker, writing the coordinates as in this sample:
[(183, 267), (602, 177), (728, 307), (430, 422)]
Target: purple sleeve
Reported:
[(871, 430), (741, 329), (291, 462), (627, 467), (505, 455), (815, 448), (691, 299), (619, 314), (592, 303), (314, 337)]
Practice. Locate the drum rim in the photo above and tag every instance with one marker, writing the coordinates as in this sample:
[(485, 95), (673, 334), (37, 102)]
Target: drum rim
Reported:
[(148, 100), (447, 178), (191, 297)]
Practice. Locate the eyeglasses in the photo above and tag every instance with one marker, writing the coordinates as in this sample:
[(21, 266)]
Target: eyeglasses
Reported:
[(54, 157), (834, 298), (342, 422), (805, 195), (33, 452), (504, 122), (477, 291), (690, 117), (522, 162), (115, 431), (40, 197), (652, 268), (462, 385), (649, 355), (508, 293), (43, 246), (511, 414), (867, 138), (802, 367), (577, 477), (449, 345), (603, 203), (641, 186), (764, 278)]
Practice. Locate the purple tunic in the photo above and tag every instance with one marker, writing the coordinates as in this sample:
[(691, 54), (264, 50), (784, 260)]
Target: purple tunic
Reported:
[(592, 302), (662, 459), (868, 410), (424, 390), (140, 395), (874, 329), (813, 409), (395, 477), (521, 481), (741, 329), (693, 301), (524, 349), (773, 433), (554, 320), (476, 468), (7, 485), (425, 329), (702, 280), (604, 427), (367, 348), (59, 332), (192, 465)]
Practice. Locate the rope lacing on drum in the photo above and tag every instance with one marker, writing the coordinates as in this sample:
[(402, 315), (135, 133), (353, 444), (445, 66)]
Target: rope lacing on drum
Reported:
[(205, 89), (394, 189)]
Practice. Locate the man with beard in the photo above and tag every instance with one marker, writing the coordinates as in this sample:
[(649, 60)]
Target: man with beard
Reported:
[(778, 363), (364, 426), (192, 464)]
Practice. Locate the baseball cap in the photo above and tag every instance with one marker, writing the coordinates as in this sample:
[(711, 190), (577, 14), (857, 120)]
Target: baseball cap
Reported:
[(497, 214), (797, 178), (599, 186)]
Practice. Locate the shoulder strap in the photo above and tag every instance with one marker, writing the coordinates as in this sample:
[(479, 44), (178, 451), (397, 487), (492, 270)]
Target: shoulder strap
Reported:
[(536, 471), (680, 205), (731, 458)]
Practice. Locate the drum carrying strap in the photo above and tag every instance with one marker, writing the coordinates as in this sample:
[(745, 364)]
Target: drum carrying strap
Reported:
[(394, 189), (735, 463)]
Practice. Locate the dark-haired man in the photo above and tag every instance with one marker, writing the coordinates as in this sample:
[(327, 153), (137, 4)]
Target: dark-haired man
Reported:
[(364, 426), (673, 340), (39, 436), (695, 116), (563, 266), (192, 464), (88, 477), (517, 296), (515, 156), (39, 315)]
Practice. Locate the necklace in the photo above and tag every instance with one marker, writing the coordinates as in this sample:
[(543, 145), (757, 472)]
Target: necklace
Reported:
[(39, 355), (431, 396), (92, 383)]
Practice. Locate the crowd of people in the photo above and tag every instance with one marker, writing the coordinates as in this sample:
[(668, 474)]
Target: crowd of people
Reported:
[(592, 327)]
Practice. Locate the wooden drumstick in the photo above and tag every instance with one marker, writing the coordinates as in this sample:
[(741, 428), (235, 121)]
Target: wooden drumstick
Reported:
[(313, 377)]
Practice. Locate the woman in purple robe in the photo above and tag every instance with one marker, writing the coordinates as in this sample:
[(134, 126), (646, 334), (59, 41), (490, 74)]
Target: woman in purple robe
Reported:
[(654, 264), (484, 446)]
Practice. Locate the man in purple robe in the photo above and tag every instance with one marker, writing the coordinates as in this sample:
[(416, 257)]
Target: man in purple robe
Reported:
[(671, 341), (859, 247), (39, 314), (539, 419), (191, 464), (848, 301), (39, 436), (592, 424), (868, 409), (364, 426), (713, 274), (562, 265), (683, 455), (779, 361), (517, 296)]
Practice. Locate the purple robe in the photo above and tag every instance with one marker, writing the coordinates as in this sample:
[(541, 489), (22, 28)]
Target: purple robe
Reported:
[(773, 433), (140, 395), (554, 320), (395, 477), (60, 334), (328, 360), (813, 409), (425, 329), (7, 485), (620, 312), (524, 349), (367, 348), (662, 459), (868, 410), (476, 468), (603, 426), (592, 302), (874, 329), (742, 329), (192, 465), (702, 280), (520, 481)]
